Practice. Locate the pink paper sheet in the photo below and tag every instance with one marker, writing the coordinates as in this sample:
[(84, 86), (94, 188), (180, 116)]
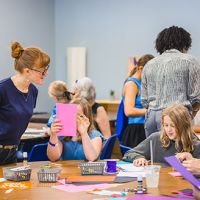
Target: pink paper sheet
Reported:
[(78, 188), (175, 174), (66, 113)]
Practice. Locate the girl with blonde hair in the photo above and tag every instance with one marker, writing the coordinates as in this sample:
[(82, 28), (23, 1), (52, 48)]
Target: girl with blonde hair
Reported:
[(176, 136), (86, 145), (59, 92)]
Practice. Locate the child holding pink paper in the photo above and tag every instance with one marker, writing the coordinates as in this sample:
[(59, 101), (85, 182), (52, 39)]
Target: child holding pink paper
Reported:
[(86, 145), (176, 136)]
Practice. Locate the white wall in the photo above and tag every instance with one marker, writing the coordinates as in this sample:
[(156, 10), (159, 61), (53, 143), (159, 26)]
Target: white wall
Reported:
[(31, 22), (113, 30)]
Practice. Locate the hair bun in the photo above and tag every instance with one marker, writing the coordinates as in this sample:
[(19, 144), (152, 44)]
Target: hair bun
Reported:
[(17, 50)]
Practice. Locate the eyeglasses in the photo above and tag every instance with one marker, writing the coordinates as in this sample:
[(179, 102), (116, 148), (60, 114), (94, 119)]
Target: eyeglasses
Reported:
[(42, 72)]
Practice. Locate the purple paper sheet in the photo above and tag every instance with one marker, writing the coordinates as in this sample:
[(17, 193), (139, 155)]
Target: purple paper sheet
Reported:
[(155, 198), (173, 161)]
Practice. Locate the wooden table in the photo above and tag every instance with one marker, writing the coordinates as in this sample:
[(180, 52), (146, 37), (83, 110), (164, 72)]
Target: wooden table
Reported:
[(109, 105), (34, 134), (167, 184)]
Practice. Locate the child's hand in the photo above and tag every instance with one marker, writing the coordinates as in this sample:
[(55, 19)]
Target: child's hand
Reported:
[(140, 162), (47, 131), (56, 126), (82, 124)]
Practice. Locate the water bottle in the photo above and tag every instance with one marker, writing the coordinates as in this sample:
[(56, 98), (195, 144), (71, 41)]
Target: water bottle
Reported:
[(25, 157)]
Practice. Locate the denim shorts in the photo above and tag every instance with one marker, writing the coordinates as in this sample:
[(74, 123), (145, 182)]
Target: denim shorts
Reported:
[(152, 122)]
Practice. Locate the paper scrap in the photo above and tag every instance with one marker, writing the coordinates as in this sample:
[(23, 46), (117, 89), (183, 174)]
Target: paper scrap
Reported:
[(2, 180), (175, 174), (108, 193), (9, 190)]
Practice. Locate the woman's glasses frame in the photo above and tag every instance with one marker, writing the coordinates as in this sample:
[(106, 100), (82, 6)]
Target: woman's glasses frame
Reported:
[(42, 72)]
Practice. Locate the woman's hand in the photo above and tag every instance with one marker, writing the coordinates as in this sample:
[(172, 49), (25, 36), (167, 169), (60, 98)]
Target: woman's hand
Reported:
[(82, 124), (56, 126), (76, 93), (184, 156), (140, 162), (193, 166)]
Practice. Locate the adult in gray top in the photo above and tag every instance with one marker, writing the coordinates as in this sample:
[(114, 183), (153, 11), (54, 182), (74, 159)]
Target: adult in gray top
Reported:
[(176, 136), (171, 77)]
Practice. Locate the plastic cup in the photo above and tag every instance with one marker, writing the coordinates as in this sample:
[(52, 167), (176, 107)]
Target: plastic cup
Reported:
[(152, 173)]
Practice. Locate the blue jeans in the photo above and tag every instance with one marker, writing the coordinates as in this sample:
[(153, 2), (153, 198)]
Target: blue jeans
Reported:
[(152, 122), (8, 156)]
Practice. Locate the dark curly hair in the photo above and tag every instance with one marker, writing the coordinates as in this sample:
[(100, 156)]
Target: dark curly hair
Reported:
[(173, 37)]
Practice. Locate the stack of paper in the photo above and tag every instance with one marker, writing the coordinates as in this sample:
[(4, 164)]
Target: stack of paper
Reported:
[(129, 170)]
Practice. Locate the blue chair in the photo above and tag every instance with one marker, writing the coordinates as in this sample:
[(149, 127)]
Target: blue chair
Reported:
[(124, 149), (108, 148), (38, 153)]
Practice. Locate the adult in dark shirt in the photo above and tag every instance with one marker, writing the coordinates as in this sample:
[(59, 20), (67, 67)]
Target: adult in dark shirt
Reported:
[(18, 97)]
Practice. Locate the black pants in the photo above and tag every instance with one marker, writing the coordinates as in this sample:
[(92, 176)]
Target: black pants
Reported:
[(8, 156)]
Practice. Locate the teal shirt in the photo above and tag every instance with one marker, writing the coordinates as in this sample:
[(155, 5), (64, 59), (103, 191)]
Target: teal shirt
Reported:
[(73, 150)]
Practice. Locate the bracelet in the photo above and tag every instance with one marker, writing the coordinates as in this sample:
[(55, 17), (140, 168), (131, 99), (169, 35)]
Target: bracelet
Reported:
[(52, 144)]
